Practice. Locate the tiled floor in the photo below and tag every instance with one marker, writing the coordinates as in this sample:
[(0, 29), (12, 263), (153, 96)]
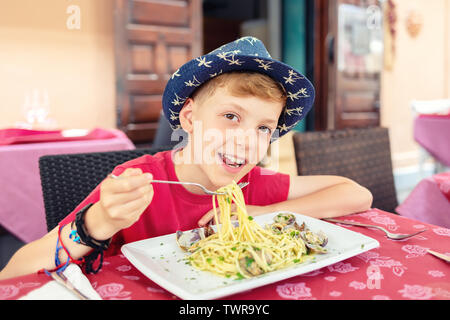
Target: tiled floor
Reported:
[(403, 194)]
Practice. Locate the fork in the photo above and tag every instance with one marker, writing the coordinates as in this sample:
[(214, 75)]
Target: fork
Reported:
[(209, 192), (390, 235)]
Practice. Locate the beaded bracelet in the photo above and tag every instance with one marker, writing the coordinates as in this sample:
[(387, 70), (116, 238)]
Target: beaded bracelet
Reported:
[(73, 234)]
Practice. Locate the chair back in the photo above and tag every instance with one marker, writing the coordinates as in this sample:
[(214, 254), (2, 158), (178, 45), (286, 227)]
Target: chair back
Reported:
[(67, 179), (362, 155)]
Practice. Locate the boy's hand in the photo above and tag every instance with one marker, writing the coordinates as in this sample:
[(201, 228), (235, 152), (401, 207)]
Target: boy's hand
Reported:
[(209, 217), (123, 200)]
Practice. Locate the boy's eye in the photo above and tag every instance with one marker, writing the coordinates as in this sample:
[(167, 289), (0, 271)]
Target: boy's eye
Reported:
[(231, 117), (265, 130)]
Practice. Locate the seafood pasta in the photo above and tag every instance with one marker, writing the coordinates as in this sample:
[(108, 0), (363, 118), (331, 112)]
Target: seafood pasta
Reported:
[(249, 249)]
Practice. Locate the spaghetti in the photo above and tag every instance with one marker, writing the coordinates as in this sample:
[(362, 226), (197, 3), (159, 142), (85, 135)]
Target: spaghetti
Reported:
[(248, 249)]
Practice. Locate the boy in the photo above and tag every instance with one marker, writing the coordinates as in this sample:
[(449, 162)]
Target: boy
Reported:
[(232, 103)]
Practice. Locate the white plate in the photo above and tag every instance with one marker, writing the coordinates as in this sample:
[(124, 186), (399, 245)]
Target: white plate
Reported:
[(162, 261)]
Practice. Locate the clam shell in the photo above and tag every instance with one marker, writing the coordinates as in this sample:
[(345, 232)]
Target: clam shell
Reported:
[(316, 248), (284, 218), (185, 239), (315, 240)]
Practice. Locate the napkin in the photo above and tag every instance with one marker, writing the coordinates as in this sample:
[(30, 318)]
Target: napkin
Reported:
[(54, 291), (431, 106)]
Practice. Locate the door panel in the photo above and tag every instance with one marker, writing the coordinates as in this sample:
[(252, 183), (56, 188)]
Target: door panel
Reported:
[(357, 101), (357, 63), (348, 63), (171, 13), (153, 39)]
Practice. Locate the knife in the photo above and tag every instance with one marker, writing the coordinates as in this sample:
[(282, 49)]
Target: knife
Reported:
[(440, 255)]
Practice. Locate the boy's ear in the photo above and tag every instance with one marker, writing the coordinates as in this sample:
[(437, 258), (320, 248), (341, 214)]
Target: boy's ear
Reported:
[(185, 116)]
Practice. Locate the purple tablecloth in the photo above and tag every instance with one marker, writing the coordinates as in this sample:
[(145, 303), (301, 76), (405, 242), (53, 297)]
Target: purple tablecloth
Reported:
[(21, 203), (432, 132), (429, 201)]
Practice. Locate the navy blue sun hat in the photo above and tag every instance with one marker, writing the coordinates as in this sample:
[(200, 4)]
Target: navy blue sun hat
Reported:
[(244, 54)]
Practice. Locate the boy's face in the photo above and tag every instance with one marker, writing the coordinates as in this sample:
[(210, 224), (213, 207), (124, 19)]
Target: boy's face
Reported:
[(229, 134)]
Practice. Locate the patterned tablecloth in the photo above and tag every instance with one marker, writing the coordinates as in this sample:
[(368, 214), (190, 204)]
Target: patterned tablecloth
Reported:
[(396, 270)]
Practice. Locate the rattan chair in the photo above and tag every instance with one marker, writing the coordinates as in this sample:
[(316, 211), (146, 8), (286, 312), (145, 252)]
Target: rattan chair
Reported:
[(69, 178), (362, 155)]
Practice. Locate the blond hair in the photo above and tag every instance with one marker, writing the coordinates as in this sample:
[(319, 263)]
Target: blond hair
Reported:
[(241, 84)]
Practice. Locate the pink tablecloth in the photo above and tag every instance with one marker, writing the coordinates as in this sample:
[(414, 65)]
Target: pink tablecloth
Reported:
[(403, 268), (432, 132), (429, 201), (21, 203)]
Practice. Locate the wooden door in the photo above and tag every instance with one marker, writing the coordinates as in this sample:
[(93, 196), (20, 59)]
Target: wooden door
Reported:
[(152, 40), (348, 63)]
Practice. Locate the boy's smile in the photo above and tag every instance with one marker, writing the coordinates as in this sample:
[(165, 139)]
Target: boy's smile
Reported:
[(228, 136), (231, 163)]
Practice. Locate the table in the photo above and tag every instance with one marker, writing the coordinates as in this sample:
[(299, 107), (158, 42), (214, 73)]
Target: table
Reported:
[(429, 201), (396, 270), (22, 210), (432, 132)]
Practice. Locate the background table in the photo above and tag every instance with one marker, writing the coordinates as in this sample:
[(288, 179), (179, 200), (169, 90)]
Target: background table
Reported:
[(432, 132), (429, 201), (403, 269), (22, 210)]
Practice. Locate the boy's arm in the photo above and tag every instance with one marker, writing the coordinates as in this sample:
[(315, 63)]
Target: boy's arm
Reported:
[(321, 197), (316, 196), (40, 254), (121, 203)]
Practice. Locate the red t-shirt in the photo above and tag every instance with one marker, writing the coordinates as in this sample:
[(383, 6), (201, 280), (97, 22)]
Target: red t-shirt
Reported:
[(175, 208)]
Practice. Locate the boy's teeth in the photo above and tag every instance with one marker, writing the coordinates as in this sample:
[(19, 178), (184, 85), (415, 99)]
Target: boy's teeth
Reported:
[(232, 161)]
